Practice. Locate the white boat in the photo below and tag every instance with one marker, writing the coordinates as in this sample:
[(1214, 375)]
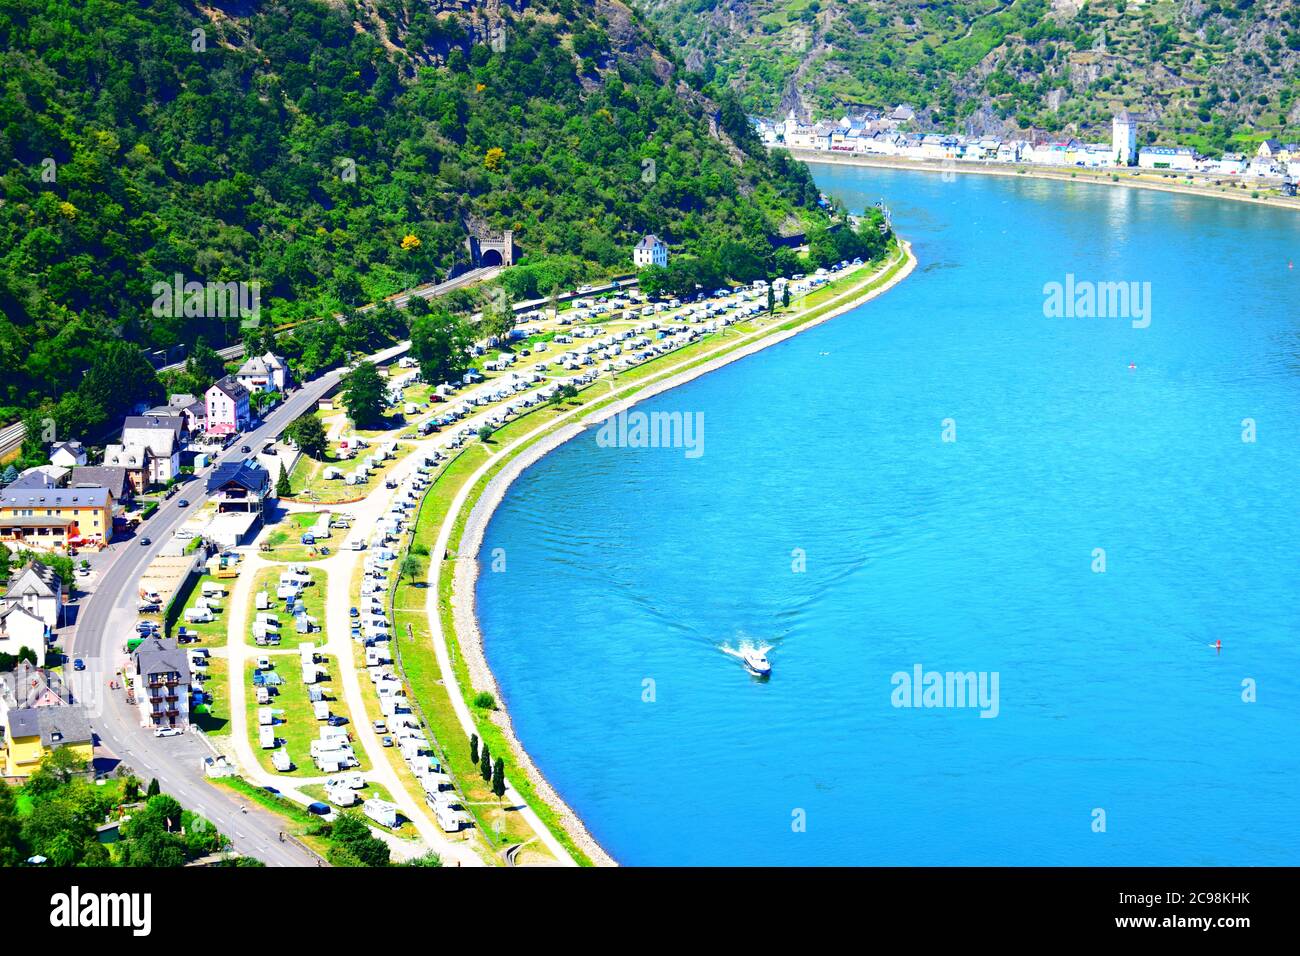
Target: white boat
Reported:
[(756, 662)]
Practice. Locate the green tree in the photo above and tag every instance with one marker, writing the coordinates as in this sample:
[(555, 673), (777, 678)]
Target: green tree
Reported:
[(485, 762), (308, 434), (499, 778), (203, 367), (363, 393), (153, 789), (771, 299), (409, 568), (438, 342), (13, 848), (282, 487), (473, 749), (498, 318), (785, 296)]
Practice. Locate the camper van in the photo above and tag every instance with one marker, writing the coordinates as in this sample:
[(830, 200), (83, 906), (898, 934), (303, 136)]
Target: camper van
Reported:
[(280, 761), (198, 615), (340, 796), (266, 736), (382, 812)]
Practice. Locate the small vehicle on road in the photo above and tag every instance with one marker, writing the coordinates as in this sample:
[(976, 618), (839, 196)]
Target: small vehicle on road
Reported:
[(244, 449), (145, 542), (184, 502), (78, 665), (168, 732)]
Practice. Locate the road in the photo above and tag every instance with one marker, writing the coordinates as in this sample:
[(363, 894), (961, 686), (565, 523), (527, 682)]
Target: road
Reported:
[(107, 618)]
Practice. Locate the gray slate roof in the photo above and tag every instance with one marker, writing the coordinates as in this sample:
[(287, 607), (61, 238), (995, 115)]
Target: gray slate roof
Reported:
[(161, 655)]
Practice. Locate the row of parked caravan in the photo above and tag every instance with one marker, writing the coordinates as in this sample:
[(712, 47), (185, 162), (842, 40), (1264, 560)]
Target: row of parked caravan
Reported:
[(373, 629)]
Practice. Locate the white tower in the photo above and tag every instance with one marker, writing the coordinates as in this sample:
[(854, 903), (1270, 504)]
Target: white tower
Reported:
[(1124, 139)]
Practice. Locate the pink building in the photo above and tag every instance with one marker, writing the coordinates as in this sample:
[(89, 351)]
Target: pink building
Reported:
[(227, 407)]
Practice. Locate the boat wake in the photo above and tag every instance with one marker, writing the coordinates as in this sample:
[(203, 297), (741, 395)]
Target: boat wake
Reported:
[(752, 654)]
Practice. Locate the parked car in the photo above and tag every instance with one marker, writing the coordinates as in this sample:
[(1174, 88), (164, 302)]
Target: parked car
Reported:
[(318, 808), (353, 612), (272, 791), (388, 741), (337, 721), (380, 726), (168, 732), (78, 665)]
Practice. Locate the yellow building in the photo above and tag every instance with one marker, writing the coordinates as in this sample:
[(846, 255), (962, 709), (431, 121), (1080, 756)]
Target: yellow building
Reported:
[(54, 518), (33, 733)]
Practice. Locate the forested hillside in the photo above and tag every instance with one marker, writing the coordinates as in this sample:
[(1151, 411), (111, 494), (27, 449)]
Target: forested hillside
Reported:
[(1207, 73), (335, 153)]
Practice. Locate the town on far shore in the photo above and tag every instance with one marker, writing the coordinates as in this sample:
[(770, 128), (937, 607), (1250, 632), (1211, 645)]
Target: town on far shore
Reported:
[(892, 135)]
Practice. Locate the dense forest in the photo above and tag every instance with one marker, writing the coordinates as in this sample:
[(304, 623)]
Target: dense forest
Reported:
[(333, 153), (1214, 74)]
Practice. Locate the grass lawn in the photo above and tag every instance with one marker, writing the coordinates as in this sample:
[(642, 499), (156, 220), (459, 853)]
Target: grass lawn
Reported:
[(284, 541), (216, 720), (295, 723), (310, 485), (299, 822), (313, 599), (213, 633)]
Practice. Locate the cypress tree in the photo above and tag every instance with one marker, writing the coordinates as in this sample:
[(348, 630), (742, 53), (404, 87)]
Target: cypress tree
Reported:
[(485, 764), (282, 487), (785, 296), (499, 778), (473, 748), (154, 789)]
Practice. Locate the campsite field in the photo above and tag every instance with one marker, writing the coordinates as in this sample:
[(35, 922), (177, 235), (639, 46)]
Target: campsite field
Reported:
[(313, 599), (296, 725)]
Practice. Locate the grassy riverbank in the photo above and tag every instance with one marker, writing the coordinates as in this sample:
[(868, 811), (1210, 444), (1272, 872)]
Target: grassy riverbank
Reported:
[(417, 649)]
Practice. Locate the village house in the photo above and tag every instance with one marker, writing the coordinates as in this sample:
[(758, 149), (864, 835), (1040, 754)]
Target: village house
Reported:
[(264, 373), (650, 251), (162, 683), (29, 685), (238, 489), (150, 449), (1173, 158), (39, 590), (42, 477), (54, 519), (112, 477), (67, 454), (189, 409), (33, 733), (227, 407), (19, 629)]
